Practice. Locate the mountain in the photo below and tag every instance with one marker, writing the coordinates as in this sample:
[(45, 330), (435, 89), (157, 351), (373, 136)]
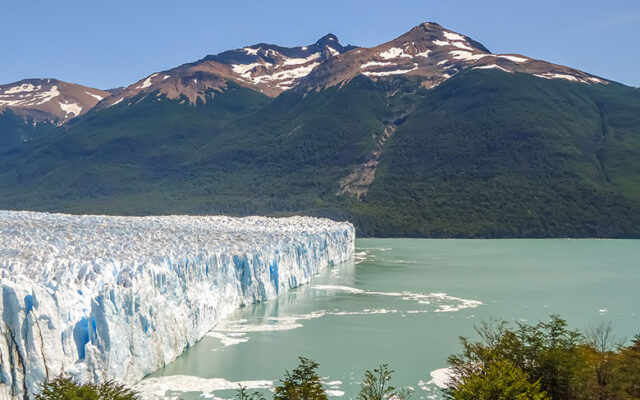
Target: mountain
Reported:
[(266, 68), (434, 54), (48, 99), (32, 107), (429, 134)]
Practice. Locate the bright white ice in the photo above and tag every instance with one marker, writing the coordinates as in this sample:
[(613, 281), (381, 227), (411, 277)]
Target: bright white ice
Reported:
[(102, 297), (71, 108)]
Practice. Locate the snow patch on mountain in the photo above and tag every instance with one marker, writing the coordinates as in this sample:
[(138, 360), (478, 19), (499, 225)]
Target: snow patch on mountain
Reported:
[(392, 72), (71, 108), (298, 61), (492, 66), (146, 83), (393, 52), (25, 87), (467, 55), (515, 59), (376, 63), (453, 36), (102, 297), (250, 51), (95, 96)]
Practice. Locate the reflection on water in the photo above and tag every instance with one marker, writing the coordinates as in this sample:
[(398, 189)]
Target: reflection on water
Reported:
[(405, 302)]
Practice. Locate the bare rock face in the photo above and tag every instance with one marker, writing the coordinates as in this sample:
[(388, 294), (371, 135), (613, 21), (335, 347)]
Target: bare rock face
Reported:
[(266, 68), (434, 54), (429, 52), (49, 99)]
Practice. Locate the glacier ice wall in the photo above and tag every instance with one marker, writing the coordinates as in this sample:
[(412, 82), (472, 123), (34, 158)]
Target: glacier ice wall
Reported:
[(101, 297)]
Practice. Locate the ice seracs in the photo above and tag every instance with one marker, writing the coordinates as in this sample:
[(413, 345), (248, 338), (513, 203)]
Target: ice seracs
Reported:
[(102, 297)]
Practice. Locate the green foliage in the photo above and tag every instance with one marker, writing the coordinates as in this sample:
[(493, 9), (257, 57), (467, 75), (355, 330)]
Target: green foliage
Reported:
[(485, 154), (499, 380), (243, 394), (15, 131), (303, 383), (375, 386), (63, 388), (553, 359)]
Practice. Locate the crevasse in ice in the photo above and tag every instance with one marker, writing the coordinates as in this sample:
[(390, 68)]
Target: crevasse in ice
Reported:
[(115, 298)]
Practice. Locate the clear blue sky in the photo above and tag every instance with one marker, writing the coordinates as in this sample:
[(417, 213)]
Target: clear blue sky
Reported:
[(113, 43)]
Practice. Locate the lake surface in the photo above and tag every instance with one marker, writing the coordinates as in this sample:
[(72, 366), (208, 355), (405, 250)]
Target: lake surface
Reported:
[(405, 302)]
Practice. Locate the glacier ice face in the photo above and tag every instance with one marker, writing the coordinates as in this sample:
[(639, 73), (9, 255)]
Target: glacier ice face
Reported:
[(115, 298)]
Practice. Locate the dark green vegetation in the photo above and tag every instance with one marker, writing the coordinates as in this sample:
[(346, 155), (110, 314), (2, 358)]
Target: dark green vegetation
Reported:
[(63, 388), (485, 154), (304, 383), (14, 130), (375, 386), (545, 361)]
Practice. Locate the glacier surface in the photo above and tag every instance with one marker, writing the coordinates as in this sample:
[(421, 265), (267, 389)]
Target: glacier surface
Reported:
[(115, 298)]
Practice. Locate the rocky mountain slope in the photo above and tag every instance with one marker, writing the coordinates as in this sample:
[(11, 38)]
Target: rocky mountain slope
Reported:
[(434, 54), (429, 134), (266, 68), (48, 99)]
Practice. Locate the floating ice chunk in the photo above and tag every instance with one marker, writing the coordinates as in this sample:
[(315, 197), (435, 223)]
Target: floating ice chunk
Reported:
[(229, 340), (157, 388), (441, 377)]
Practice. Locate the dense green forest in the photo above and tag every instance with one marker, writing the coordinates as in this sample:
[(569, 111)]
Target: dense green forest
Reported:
[(485, 154), (543, 361)]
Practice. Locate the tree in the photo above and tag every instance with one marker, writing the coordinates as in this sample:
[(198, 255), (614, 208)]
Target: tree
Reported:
[(626, 371), (375, 386), (303, 383), (243, 394), (547, 352), (64, 388), (499, 380)]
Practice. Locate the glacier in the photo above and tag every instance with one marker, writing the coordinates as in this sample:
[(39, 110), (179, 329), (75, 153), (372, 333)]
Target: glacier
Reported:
[(115, 298)]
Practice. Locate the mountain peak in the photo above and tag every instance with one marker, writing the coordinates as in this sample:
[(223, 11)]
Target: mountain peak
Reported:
[(48, 99), (328, 39)]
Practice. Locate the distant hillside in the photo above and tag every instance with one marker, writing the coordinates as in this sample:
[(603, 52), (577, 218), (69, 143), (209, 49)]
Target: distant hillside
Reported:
[(426, 135)]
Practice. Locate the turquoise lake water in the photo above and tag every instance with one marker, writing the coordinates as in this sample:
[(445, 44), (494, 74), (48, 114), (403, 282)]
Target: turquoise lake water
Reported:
[(405, 302)]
